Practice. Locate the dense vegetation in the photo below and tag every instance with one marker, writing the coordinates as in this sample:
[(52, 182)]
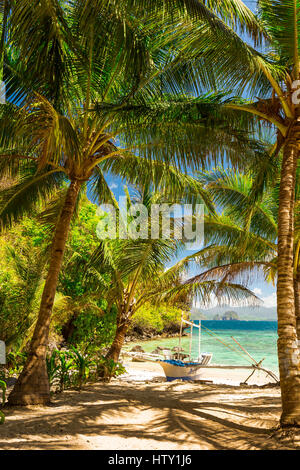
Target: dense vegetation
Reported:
[(80, 315), (151, 320)]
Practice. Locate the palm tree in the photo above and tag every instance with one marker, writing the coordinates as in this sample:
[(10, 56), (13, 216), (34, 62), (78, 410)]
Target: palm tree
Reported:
[(242, 242), (132, 273), (83, 91), (272, 74)]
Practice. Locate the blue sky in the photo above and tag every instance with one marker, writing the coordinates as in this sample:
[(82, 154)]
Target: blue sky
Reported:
[(264, 290)]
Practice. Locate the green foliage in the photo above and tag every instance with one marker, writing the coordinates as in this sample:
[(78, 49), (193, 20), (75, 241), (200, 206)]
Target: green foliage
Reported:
[(108, 368), (171, 318), (150, 318), (22, 262), (30, 230), (15, 361), (52, 366), (83, 367), (59, 365), (11, 307), (241, 242), (66, 364), (3, 389), (82, 241), (74, 368), (93, 332)]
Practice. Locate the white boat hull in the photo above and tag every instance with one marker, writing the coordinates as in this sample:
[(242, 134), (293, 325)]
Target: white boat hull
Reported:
[(187, 372), (216, 373)]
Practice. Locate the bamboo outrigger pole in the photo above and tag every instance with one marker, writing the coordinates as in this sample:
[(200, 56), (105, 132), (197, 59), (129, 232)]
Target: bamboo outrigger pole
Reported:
[(256, 364)]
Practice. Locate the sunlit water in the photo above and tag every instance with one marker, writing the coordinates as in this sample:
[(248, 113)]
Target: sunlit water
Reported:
[(259, 338)]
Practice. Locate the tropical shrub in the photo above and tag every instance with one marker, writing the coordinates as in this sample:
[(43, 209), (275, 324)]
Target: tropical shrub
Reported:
[(66, 364), (83, 367), (107, 368), (52, 366), (93, 332), (74, 368), (15, 362)]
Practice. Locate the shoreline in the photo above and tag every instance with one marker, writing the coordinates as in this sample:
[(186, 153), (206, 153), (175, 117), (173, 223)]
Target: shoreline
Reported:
[(132, 339)]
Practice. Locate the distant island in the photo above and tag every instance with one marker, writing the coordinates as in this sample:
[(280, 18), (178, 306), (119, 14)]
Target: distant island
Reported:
[(244, 313), (227, 316)]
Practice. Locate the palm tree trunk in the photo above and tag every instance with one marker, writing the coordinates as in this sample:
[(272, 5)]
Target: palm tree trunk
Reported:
[(297, 303), (115, 349), (32, 386), (288, 352)]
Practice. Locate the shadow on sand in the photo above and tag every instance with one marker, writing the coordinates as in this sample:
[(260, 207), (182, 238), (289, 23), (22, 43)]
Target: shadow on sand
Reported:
[(153, 416)]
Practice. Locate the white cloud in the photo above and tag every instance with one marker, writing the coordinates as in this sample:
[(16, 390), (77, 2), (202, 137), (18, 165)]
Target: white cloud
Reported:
[(257, 291), (270, 300), (113, 186)]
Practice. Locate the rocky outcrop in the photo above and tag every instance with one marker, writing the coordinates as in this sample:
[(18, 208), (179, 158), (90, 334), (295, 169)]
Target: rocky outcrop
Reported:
[(138, 333), (137, 348)]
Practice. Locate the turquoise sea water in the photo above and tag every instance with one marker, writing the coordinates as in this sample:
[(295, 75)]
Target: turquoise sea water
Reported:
[(259, 338)]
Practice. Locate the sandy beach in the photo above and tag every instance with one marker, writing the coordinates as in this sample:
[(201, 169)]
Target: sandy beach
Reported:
[(138, 412)]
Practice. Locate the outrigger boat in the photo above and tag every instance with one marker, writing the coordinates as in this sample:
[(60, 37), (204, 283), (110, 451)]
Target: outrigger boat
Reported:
[(181, 366)]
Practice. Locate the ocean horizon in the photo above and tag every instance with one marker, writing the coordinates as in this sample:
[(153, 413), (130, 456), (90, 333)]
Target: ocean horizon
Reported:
[(244, 324)]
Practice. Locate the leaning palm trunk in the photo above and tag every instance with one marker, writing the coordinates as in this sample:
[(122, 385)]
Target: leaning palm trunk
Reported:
[(115, 349), (32, 386), (288, 352)]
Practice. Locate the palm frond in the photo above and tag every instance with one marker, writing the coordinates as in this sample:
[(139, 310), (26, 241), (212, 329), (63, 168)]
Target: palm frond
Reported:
[(26, 194), (281, 19)]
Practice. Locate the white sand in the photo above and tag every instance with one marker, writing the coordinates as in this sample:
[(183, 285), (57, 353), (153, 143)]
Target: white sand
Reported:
[(129, 414)]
